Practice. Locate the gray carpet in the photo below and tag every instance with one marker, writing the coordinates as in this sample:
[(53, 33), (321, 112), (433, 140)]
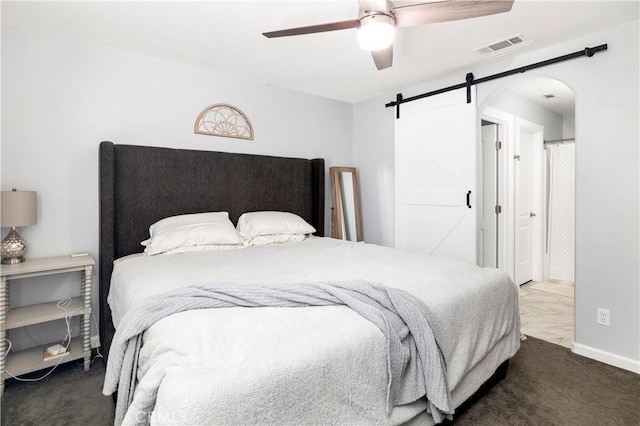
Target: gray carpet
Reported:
[(546, 385)]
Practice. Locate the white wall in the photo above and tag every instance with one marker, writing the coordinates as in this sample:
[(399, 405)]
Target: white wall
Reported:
[(568, 126), (61, 97), (374, 156), (607, 187), (511, 103)]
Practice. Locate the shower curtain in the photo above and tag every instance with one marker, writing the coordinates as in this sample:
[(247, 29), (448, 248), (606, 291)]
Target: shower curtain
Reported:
[(561, 212)]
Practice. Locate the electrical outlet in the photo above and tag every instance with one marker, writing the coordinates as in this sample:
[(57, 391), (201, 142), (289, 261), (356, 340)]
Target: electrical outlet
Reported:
[(603, 317)]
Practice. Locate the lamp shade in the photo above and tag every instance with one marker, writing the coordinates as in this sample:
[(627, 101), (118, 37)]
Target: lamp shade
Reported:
[(18, 208)]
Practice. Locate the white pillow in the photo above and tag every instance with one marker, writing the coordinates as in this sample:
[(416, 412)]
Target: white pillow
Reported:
[(261, 240), (191, 230), (254, 224), (208, 247)]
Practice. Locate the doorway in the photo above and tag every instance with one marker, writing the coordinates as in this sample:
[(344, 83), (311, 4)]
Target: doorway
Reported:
[(514, 176), (515, 232)]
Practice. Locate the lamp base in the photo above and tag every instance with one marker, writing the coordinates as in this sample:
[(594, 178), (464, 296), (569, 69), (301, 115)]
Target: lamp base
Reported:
[(13, 261), (14, 247)]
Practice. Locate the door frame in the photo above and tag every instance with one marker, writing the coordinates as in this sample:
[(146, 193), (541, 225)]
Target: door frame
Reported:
[(505, 122), (537, 194), (509, 127), (486, 204)]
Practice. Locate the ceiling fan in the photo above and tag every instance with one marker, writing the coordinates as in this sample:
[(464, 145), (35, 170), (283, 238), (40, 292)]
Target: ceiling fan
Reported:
[(377, 20)]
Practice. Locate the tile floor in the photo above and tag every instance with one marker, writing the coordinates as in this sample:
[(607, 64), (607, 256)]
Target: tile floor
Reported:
[(546, 313)]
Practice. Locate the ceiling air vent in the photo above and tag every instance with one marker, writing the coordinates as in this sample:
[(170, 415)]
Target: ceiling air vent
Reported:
[(500, 45)]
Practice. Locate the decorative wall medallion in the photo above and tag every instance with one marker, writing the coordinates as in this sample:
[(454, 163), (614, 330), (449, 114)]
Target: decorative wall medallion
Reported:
[(224, 120)]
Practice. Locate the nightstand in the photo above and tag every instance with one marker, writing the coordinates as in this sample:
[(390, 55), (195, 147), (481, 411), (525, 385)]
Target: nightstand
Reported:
[(26, 361)]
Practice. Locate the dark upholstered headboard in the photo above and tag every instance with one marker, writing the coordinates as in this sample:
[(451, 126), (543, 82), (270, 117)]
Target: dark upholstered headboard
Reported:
[(140, 185)]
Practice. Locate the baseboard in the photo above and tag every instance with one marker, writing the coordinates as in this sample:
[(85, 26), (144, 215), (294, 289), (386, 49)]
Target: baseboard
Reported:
[(629, 364)]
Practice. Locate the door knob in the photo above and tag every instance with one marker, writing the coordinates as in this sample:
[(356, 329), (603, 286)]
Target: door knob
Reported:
[(532, 214)]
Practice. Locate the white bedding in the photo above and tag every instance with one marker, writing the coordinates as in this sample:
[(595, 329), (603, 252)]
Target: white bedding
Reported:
[(310, 365)]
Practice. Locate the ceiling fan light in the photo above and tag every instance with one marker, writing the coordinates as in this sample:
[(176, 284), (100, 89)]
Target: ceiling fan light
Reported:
[(376, 32)]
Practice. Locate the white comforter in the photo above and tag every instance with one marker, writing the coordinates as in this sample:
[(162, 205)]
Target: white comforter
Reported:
[(311, 365)]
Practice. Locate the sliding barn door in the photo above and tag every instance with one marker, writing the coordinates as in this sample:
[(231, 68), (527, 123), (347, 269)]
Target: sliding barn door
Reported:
[(436, 176)]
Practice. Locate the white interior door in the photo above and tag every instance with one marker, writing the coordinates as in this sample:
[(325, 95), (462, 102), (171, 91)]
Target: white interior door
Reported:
[(435, 163), (525, 214)]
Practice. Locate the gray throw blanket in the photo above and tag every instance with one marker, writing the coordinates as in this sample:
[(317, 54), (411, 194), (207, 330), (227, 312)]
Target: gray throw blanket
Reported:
[(415, 364)]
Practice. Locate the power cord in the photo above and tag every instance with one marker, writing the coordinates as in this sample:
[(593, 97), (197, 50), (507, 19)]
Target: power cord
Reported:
[(62, 304), (6, 354), (99, 355)]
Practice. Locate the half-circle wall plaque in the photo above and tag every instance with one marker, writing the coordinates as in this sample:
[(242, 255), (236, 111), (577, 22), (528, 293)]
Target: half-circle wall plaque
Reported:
[(224, 120)]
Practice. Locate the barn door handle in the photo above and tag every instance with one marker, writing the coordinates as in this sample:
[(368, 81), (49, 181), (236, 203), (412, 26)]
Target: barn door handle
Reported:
[(469, 199)]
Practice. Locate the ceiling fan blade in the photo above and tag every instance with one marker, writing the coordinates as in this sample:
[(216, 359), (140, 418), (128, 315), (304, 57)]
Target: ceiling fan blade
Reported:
[(383, 58), (333, 26), (453, 10)]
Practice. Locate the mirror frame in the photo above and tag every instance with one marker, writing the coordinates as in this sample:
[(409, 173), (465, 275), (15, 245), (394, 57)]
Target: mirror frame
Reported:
[(337, 198)]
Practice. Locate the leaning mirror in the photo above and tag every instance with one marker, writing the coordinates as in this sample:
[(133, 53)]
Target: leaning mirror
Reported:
[(345, 206)]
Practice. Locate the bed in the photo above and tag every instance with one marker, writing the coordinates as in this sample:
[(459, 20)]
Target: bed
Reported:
[(277, 365)]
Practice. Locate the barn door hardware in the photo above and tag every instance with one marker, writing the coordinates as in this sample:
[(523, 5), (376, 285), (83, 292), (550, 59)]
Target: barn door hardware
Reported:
[(469, 79)]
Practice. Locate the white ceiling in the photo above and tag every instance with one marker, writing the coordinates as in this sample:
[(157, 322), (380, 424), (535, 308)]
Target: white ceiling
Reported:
[(225, 36)]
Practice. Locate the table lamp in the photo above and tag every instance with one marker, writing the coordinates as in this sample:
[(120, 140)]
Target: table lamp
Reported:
[(18, 209)]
